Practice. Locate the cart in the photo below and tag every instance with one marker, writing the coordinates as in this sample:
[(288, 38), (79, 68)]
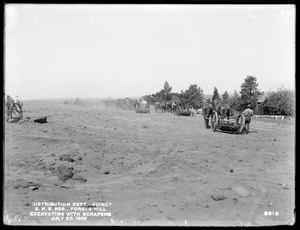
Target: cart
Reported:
[(232, 125), (181, 112), (142, 109)]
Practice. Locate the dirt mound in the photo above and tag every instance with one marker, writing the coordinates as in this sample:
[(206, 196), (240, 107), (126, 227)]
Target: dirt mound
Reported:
[(21, 184)]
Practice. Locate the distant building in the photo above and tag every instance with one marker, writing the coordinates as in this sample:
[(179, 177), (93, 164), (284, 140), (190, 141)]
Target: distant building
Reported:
[(259, 110)]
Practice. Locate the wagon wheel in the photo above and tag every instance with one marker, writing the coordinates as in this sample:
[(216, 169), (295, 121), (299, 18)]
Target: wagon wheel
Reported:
[(215, 121), (240, 121), (18, 109)]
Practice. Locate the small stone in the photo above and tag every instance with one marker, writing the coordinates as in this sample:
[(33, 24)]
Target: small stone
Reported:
[(79, 178), (231, 170), (218, 197), (284, 187), (21, 164), (33, 187), (67, 186)]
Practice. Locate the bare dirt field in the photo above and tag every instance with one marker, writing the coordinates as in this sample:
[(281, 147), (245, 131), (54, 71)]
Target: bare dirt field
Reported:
[(145, 169)]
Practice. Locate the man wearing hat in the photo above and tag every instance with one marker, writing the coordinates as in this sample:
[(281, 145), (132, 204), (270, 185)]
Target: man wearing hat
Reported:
[(248, 113)]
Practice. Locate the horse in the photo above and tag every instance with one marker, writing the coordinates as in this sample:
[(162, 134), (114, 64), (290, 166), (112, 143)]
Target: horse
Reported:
[(224, 111), (192, 110), (199, 111), (18, 104), (13, 106), (136, 104), (143, 103), (166, 108), (158, 106), (141, 106), (207, 112), (9, 106), (174, 107)]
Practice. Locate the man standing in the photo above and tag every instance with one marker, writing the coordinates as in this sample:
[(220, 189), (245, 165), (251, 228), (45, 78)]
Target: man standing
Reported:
[(229, 112), (248, 113)]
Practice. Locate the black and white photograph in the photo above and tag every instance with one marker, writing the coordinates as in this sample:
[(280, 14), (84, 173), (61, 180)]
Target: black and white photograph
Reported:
[(149, 114)]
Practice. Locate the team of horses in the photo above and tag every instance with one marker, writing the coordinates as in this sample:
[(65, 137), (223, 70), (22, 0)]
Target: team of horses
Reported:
[(175, 108), (122, 104), (142, 106), (13, 107), (168, 107), (223, 111)]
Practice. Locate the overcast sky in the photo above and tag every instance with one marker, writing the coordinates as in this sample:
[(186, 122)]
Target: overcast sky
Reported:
[(68, 51)]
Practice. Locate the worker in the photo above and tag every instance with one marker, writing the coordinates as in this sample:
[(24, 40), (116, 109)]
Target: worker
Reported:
[(248, 113)]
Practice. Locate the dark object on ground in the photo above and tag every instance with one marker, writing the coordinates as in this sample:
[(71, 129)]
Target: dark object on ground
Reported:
[(218, 197), (185, 113), (41, 120), (143, 111)]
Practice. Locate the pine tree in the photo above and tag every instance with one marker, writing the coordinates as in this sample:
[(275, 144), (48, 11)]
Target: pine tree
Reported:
[(193, 96), (250, 92), (225, 96), (215, 97), (235, 101), (166, 92)]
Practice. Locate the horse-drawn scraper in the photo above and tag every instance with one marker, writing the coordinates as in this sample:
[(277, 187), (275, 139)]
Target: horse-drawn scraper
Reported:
[(217, 122), (142, 108), (232, 125), (182, 112), (13, 108)]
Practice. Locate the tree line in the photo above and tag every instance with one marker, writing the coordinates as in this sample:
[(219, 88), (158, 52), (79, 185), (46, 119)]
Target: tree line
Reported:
[(280, 102)]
